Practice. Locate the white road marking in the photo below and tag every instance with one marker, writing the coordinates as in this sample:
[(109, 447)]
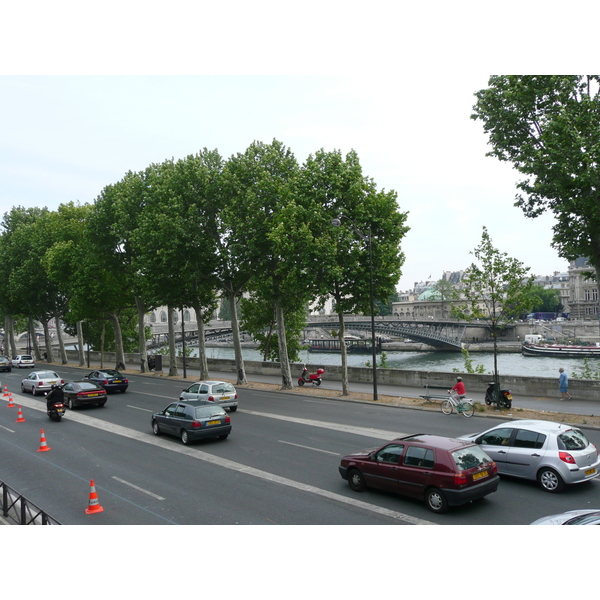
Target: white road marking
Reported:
[(7, 429), (366, 431), (159, 442), (309, 448), (139, 408), (139, 489)]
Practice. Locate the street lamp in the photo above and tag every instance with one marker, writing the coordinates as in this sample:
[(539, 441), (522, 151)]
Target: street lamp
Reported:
[(365, 238)]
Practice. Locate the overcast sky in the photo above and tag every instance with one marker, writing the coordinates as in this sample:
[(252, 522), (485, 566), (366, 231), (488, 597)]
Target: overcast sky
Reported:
[(399, 97)]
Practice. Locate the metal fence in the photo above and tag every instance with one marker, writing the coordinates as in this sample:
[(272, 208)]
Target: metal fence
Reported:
[(17, 509)]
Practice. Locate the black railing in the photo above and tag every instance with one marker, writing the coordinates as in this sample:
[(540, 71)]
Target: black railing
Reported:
[(21, 511)]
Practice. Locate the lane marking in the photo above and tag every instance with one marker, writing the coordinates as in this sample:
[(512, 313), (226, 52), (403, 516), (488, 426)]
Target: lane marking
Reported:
[(366, 431), (139, 408), (225, 463), (135, 487), (7, 429), (309, 448)]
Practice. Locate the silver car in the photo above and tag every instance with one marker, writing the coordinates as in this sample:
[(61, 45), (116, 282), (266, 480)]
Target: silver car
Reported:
[(39, 382), (23, 360), (586, 516), (554, 454), (217, 392)]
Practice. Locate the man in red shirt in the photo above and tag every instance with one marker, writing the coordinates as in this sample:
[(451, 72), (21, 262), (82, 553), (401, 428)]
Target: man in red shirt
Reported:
[(459, 388)]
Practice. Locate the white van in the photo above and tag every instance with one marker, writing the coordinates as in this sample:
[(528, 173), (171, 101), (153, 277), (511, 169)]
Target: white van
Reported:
[(533, 338)]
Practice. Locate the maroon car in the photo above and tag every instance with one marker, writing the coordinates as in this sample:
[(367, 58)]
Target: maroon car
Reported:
[(442, 471)]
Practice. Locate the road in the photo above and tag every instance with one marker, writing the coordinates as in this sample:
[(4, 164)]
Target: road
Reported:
[(279, 465)]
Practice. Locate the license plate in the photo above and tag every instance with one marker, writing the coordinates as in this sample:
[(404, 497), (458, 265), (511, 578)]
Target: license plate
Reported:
[(214, 423), (90, 395), (51, 382), (224, 397), (479, 475), (509, 396), (590, 471), (117, 381)]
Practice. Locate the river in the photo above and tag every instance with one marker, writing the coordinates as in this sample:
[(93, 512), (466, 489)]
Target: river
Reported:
[(509, 363)]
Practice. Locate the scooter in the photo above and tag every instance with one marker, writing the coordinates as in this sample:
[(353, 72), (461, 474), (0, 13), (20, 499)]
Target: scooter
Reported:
[(56, 411), (314, 378), (505, 396)]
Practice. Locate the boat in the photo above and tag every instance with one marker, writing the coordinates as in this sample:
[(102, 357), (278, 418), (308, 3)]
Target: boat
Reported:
[(561, 350)]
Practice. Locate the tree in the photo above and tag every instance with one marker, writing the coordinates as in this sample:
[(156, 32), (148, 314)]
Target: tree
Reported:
[(446, 291), (548, 128), (545, 299), (497, 291)]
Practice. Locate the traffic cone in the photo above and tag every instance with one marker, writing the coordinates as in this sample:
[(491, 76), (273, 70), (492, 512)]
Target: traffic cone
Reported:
[(20, 418), (10, 401), (43, 445), (94, 505), (5, 390)]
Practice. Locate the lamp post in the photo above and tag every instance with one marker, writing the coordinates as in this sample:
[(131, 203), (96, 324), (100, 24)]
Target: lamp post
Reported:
[(336, 223)]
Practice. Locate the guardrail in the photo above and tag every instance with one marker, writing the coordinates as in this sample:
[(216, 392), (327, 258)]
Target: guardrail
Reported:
[(16, 507)]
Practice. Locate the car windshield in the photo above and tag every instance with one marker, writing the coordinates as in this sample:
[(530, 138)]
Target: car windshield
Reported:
[(223, 388), (470, 458), (204, 412), (111, 373), (47, 375), (87, 385), (584, 519), (572, 439)]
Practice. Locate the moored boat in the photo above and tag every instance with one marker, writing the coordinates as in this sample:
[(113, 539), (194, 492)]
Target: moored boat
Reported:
[(561, 351)]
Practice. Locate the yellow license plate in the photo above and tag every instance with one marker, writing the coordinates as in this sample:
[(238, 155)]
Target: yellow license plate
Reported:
[(214, 422), (590, 471), (509, 396), (224, 397), (480, 475), (90, 395), (117, 381)]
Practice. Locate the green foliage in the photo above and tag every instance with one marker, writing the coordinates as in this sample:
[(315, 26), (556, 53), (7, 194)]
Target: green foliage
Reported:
[(587, 371), (545, 299), (468, 361), (382, 362)]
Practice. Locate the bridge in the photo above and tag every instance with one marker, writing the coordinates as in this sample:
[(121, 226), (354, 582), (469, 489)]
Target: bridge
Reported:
[(444, 335)]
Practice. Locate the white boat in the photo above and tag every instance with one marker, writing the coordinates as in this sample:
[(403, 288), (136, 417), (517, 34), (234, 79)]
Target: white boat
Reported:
[(561, 351)]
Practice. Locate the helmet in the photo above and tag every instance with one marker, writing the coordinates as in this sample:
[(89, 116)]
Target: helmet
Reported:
[(53, 386), (459, 379)]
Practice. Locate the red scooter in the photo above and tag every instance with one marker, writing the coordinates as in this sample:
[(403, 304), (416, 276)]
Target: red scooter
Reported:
[(314, 378)]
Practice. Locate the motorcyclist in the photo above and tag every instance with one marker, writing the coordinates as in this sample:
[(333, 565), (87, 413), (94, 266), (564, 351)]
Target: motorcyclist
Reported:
[(55, 395)]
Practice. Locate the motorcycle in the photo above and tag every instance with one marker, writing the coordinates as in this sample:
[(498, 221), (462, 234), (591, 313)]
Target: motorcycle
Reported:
[(57, 411), (505, 397), (314, 378)]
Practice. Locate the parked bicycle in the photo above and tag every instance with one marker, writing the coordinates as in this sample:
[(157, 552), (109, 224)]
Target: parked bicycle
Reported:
[(464, 406)]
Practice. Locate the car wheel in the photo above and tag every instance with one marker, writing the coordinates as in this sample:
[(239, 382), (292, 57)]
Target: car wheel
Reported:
[(233, 408), (550, 481), (101, 404), (184, 437), (34, 392), (436, 501), (155, 428), (70, 404), (224, 436), (356, 481), (23, 389)]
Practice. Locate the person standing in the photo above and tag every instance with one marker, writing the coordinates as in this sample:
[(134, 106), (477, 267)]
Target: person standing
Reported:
[(563, 384)]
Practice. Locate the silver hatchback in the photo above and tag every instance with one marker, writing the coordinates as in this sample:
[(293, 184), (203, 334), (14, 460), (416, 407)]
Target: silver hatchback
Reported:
[(553, 454), (215, 392)]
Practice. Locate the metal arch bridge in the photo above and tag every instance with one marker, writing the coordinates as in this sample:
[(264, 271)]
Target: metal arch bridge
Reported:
[(443, 335)]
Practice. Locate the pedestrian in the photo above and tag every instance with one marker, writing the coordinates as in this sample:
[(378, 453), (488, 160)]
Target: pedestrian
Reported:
[(459, 388), (563, 384)]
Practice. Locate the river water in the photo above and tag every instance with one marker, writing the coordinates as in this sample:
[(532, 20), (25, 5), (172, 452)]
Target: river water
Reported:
[(509, 363)]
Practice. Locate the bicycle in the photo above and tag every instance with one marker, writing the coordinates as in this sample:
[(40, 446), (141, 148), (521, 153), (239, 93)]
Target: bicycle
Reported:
[(463, 406)]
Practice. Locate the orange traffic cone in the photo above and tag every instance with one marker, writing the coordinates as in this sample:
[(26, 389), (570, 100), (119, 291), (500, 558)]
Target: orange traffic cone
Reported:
[(43, 445), (5, 390), (20, 418), (94, 505), (10, 401)]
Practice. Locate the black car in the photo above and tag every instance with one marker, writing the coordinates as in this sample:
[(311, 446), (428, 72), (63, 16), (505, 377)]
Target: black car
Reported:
[(5, 364), (78, 393), (192, 420), (110, 379)]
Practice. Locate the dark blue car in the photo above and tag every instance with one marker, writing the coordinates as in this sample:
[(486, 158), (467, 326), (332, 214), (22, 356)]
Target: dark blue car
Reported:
[(110, 379)]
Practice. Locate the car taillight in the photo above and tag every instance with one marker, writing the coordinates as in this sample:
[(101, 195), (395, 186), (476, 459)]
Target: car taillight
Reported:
[(62, 381), (566, 457), (211, 398), (235, 397), (105, 382), (494, 467), (227, 419), (196, 424), (125, 380), (460, 479), (40, 383)]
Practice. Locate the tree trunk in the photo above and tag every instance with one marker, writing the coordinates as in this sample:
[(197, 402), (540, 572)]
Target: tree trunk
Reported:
[(120, 358), (34, 340), (341, 335), (61, 343), (286, 373), (10, 327), (172, 347), (201, 344), (80, 344), (237, 345), (48, 341), (141, 308)]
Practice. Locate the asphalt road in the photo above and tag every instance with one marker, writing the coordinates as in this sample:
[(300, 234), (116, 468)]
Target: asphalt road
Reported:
[(279, 465)]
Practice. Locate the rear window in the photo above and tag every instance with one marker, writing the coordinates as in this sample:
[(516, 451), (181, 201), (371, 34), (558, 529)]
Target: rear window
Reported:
[(203, 412), (223, 388), (572, 439), (111, 373), (47, 375), (26, 357), (87, 385), (470, 458)]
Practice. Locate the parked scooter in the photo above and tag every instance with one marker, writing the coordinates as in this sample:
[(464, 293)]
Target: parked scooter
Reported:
[(314, 378), (505, 397), (56, 411)]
